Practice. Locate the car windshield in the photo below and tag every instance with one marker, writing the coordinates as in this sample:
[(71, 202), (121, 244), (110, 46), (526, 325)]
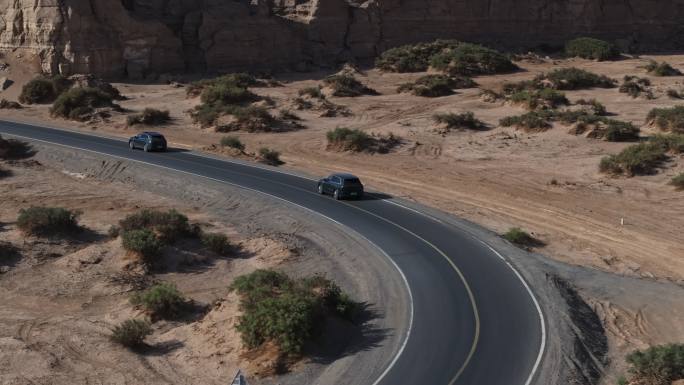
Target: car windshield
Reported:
[(352, 182)]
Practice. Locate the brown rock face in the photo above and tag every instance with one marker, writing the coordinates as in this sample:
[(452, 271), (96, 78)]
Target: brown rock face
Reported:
[(136, 38)]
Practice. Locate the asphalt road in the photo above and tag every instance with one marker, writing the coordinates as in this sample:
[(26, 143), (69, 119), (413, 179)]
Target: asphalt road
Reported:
[(474, 320)]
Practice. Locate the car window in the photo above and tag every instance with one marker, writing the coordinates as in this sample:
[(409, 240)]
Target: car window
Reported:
[(336, 180)]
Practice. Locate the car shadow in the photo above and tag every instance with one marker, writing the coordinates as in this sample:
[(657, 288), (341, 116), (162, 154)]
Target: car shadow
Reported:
[(375, 196)]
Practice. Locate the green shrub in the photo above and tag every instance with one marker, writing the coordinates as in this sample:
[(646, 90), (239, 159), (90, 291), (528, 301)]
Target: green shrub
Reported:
[(619, 131), (574, 79), (436, 85), (590, 48), (232, 142), (251, 119), (635, 86), (161, 301), (346, 139), (412, 58), (540, 99), (48, 221), (345, 85), (519, 237), (472, 59), (131, 333), (678, 181), (657, 365), (270, 156), (218, 243), (597, 108), (43, 90), (287, 311), (464, 120), (149, 117), (531, 121), (239, 80), (662, 69), (314, 92), (144, 243), (670, 143), (222, 94), (79, 103), (637, 159), (668, 119), (170, 225)]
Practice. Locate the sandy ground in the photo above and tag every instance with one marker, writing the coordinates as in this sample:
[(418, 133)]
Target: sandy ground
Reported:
[(499, 178), (60, 299)]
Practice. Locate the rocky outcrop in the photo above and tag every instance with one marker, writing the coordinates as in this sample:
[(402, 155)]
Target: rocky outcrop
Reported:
[(139, 38)]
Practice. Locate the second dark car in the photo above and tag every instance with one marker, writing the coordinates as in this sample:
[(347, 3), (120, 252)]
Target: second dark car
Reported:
[(341, 186), (148, 141)]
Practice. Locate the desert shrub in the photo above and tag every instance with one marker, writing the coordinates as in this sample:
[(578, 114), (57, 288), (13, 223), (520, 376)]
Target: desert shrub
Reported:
[(674, 94), (634, 86), (531, 121), (114, 231), (539, 99), (574, 79), (232, 142), (5, 172), (519, 237), (662, 69), (668, 119), (670, 143), (286, 115), (43, 90), (131, 333), (226, 93), (150, 117), (14, 149), (597, 108), (523, 85), (472, 59), (678, 181), (657, 365), (638, 159), (280, 309), (464, 120), (619, 131), (314, 92), (48, 221), (590, 48), (239, 80), (161, 301), (412, 58), (144, 243), (436, 85), (218, 243), (347, 85), (347, 139), (7, 252), (270, 156), (252, 119), (169, 226), (9, 105), (79, 103)]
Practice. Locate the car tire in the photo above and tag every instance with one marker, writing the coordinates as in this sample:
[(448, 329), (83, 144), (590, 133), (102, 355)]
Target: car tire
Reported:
[(336, 195), (320, 189), (131, 145), (146, 148)]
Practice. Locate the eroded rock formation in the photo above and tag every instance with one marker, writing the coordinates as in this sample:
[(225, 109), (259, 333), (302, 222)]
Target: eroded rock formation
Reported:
[(137, 38)]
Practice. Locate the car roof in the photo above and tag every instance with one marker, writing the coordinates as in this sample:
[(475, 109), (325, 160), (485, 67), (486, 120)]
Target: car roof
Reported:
[(345, 175), (152, 133)]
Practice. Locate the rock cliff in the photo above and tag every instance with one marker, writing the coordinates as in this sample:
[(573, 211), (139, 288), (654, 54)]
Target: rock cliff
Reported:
[(137, 38)]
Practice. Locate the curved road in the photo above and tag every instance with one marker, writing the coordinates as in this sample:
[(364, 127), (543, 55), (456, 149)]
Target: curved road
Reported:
[(474, 320)]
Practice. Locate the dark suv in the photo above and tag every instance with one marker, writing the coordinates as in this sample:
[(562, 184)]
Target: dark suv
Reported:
[(341, 186), (148, 141)]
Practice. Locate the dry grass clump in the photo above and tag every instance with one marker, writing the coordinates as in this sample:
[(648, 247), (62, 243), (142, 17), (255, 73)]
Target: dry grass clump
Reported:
[(355, 140), (149, 117), (635, 86), (465, 120), (662, 69), (667, 119), (346, 85), (436, 85)]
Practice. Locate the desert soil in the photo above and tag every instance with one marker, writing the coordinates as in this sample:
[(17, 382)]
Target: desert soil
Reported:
[(60, 299), (547, 183)]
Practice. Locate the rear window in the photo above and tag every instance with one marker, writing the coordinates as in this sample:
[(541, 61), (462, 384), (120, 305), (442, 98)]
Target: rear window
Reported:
[(157, 139), (352, 182)]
